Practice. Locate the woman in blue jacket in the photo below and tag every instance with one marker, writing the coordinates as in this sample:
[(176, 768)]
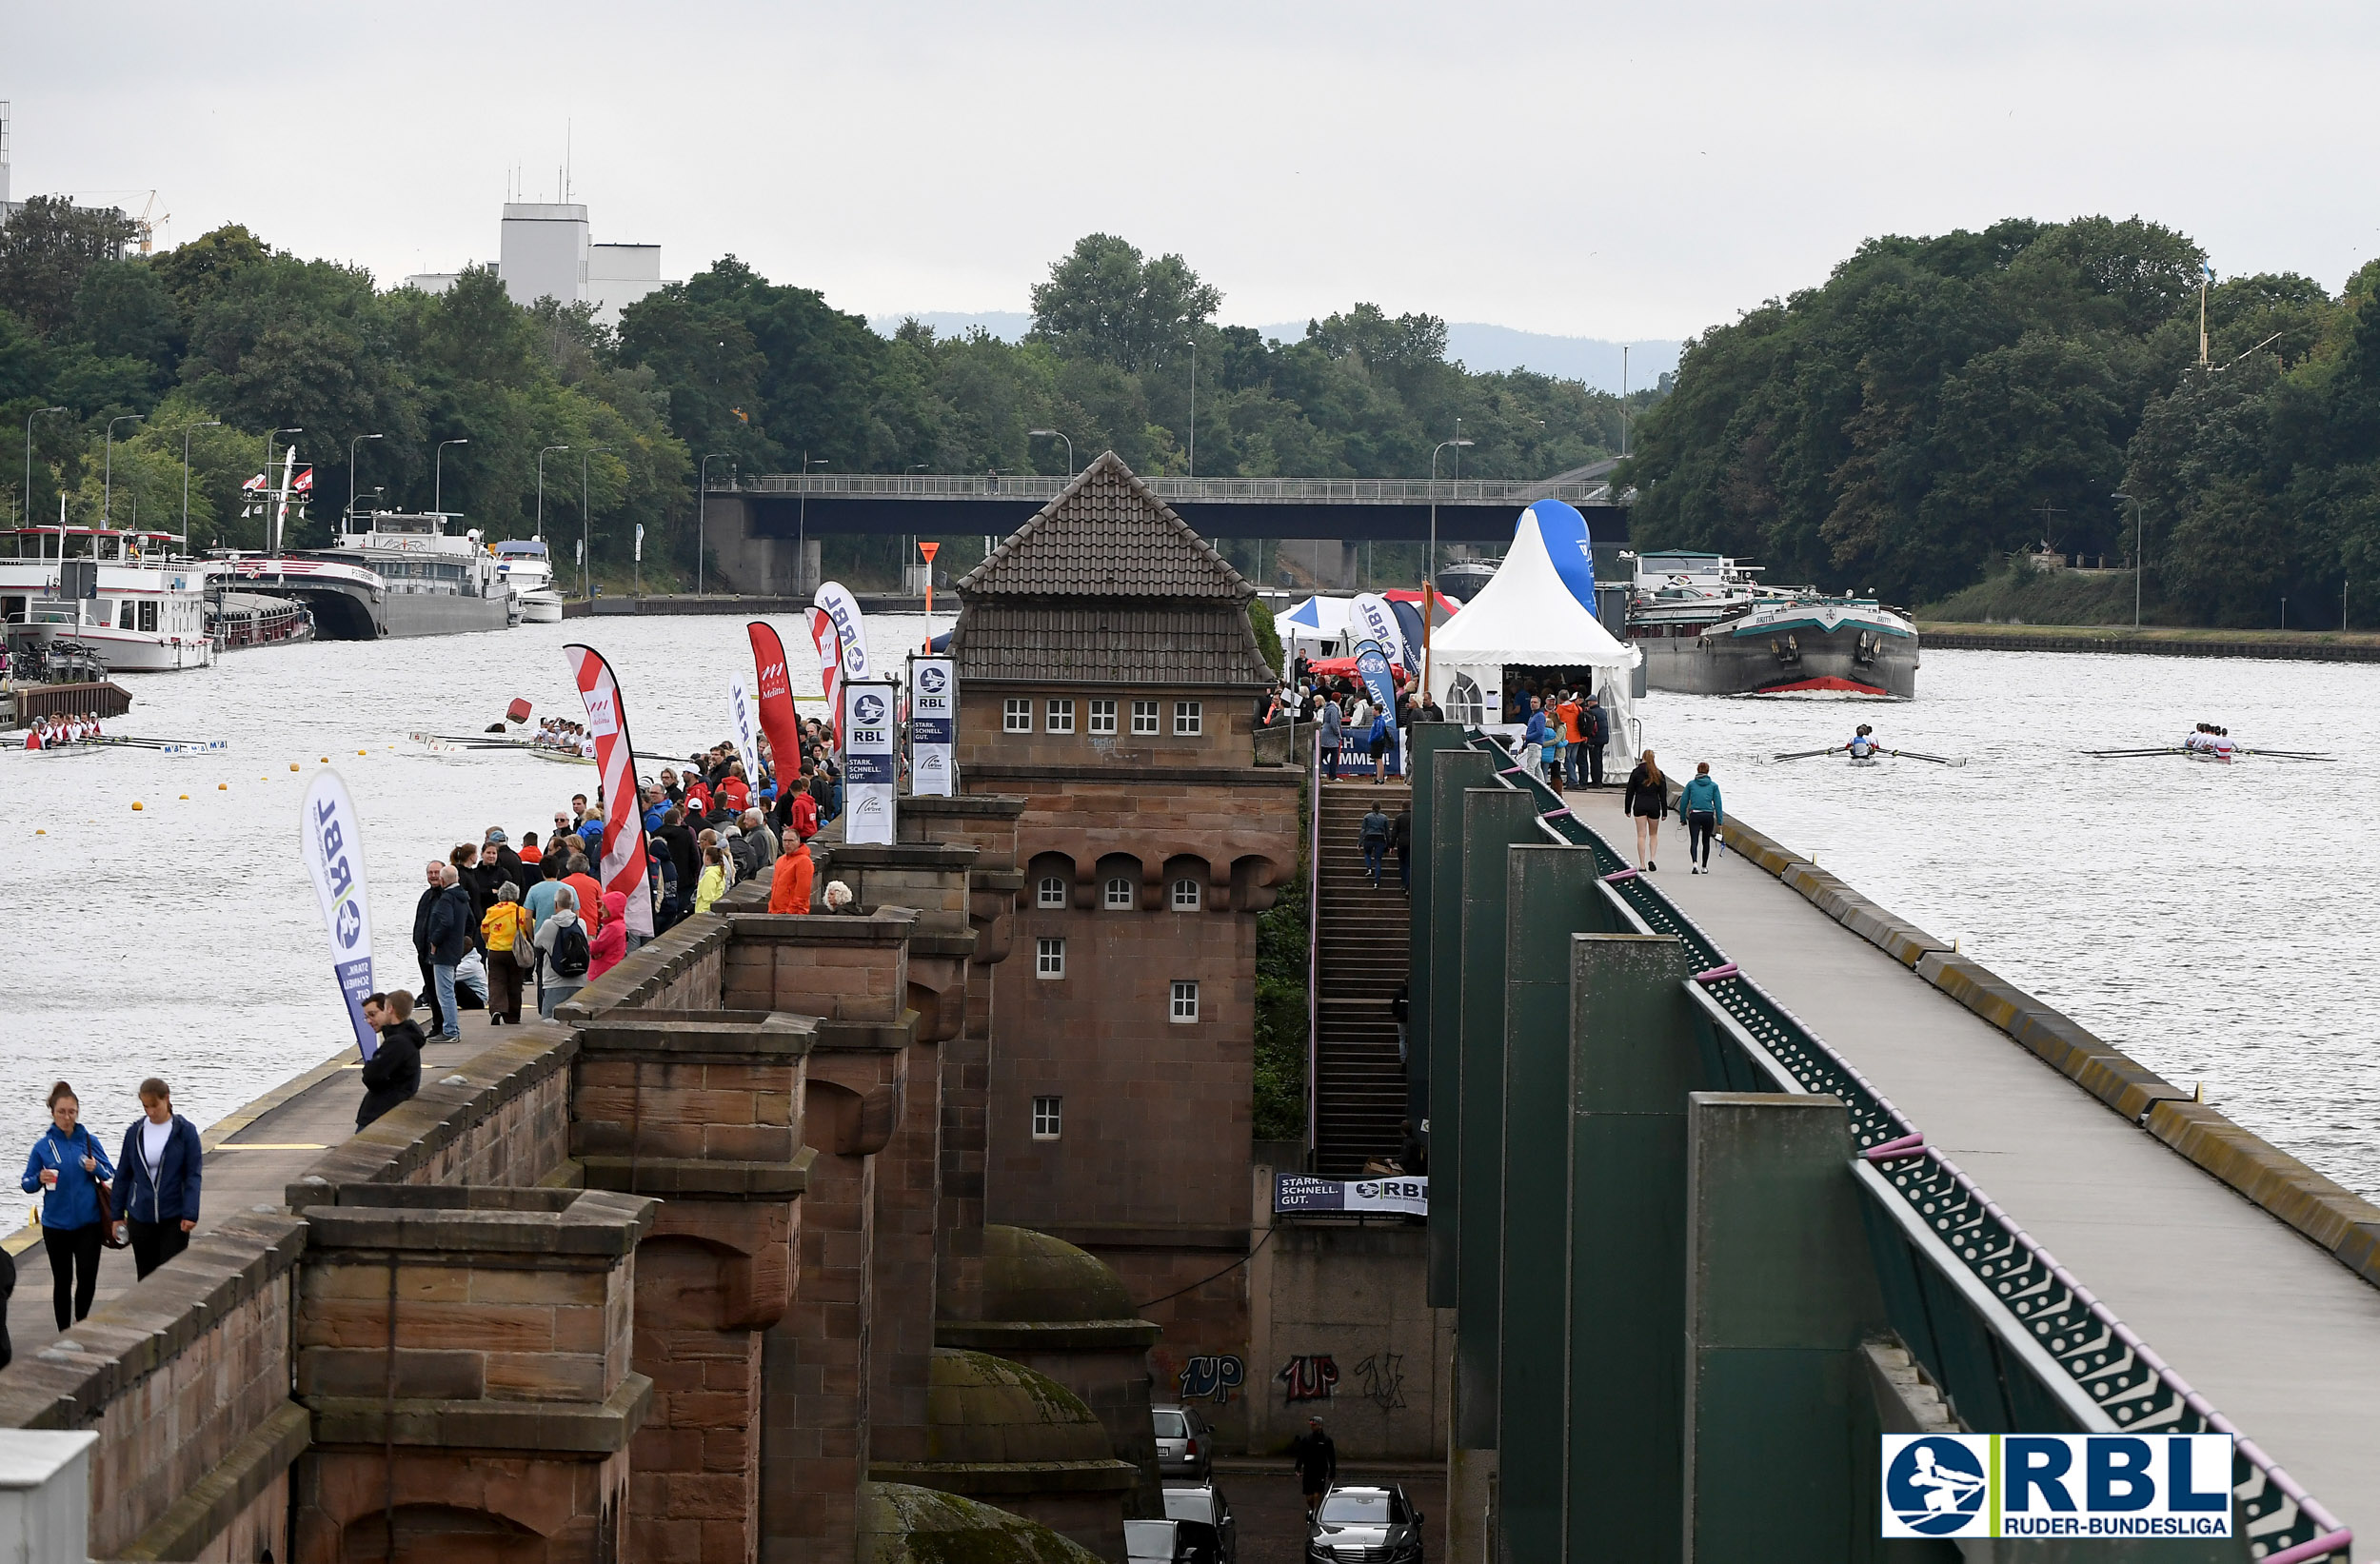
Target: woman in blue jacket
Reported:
[(1699, 803), (67, 1168), (158, 1193)]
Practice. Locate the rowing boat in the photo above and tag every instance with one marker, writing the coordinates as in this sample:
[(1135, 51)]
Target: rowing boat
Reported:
[(447, 744)]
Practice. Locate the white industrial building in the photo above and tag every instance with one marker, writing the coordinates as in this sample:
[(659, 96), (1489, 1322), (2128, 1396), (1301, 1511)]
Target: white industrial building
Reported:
[(545, 251)]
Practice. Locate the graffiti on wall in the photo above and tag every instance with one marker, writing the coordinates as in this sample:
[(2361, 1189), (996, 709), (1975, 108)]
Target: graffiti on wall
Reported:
[(1309, 1377), (1384, 1378), (1211, 1379)]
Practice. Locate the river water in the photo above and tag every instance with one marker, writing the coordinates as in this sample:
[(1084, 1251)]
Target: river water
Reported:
[(2206, 919)]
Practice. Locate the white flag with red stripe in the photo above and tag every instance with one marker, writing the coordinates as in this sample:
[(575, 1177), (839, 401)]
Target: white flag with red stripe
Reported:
[(622, 866), (829, 643)]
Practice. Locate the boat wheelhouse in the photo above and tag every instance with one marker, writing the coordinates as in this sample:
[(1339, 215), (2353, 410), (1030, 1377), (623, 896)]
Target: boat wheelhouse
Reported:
[(128, 596)]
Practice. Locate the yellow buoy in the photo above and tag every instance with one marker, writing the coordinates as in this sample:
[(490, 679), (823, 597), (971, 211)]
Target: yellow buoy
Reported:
[(185, 795), (359, 752), (136, 804), (293, 766), (222, 787), (41, 833), (326, 760)]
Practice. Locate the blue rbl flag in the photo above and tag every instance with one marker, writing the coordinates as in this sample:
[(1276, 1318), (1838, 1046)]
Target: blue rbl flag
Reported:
[(333, 849), (1372, 666)]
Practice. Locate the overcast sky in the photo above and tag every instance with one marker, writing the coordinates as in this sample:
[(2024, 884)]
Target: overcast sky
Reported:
[(1618, 171)]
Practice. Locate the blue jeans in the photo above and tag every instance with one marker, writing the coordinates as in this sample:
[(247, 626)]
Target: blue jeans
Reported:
[(1372, 857), (443, 975)]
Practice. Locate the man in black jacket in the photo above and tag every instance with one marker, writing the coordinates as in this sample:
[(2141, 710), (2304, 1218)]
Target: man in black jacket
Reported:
[(393, 1073), (1318, 1463), (451, 930), (421, 942), (678, 840), (1596, 726)]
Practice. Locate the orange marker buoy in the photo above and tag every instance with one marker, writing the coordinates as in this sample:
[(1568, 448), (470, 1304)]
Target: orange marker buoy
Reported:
[(222, 787), (41, 833), (186, 795), (359, 752), (136, 804), (326, 760), (293, 766)]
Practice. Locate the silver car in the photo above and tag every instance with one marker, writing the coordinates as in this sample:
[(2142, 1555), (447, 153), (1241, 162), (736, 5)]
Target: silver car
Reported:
[(1185, 1446), (1365, 1525), (1209, 1535)]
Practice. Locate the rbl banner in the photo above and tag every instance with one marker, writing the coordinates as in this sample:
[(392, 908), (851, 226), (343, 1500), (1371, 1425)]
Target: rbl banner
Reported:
[(933, 725), (871, 760), (333, 850), (2058, 1485)]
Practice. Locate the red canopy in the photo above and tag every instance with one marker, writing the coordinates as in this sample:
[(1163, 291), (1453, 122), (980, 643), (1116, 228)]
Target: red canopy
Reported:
[(1344, 667)]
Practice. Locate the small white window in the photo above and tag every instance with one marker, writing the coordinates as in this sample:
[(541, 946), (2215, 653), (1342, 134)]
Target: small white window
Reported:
[(1120, 897), (1017, 715), (1144, 717), (1052, 892), (1049, 958), (1189, 719), (1102, 716), (1061, 717), (1185, 1002), (1185, 896), (1046, 1111)]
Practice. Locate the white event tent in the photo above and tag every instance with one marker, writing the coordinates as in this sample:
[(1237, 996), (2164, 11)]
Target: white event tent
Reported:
[(1528, 621)]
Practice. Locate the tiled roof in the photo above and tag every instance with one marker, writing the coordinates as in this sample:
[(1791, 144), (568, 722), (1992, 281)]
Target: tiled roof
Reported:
[(1106, 536), (1119, 644)]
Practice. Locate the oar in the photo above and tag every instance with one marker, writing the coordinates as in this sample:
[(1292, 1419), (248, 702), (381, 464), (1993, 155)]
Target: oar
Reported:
[(2285, 754), (1808, 754), (2127, 754), (1939, 760)]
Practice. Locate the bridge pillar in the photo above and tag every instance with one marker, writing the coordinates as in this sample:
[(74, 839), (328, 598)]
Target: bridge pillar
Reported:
[(1779, 1294), (1551, 890)]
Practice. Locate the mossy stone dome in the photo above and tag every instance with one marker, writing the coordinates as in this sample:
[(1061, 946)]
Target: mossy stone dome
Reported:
[(901, 1524), (986, 1411), (1030, 1277)]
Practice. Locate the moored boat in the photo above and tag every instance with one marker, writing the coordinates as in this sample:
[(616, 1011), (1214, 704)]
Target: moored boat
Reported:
[(528, 570), (1707, 627), (128, 597)]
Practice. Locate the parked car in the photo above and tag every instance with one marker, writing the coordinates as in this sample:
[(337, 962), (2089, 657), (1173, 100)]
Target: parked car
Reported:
[(1209, 1535), (1185, 1446), (1153, 1542), (1374, 1523)]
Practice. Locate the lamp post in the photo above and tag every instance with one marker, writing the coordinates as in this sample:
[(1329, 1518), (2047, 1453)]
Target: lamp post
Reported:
[(702, 513), (438, 475), (1054, 434), (585, 544), (272, 532), (541, 487), (107, 476), (1194, 409), (1429, 568), (210, 423), (2140, 562), (37, 412), (802, 526), (351, 445)]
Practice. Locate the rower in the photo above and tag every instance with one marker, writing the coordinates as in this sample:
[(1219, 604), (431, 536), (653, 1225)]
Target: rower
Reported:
[(1862, 742), (2222, 745), (37, 733)]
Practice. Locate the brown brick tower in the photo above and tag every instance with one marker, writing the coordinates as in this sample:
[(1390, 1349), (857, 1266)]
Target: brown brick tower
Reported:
[(1109, 675)]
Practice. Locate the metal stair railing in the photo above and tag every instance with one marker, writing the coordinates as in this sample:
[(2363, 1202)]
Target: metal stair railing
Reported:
[(2107, 1365)]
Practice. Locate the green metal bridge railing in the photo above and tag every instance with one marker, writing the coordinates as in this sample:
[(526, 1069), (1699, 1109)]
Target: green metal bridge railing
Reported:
[(2015, 1342)]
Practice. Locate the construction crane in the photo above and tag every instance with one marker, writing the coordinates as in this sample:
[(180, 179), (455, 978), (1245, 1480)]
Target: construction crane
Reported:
[(148, 227)]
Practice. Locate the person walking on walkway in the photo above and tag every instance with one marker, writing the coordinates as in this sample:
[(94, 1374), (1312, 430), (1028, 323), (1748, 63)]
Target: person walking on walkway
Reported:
[(1318, 1463), (70, 1173), (567, 949), (160, 1165), (393, 1073), (1596, 724), (506, 931), (1400, 838), (450, 929), (1699, 803), (1374, 834), (1383, 734), (1574, 737), (1332, 719), (422, 909), (1647, 798)]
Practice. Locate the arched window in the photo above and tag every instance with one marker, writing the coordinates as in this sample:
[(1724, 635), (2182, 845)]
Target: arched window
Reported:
[(1120, 897), (1051, 892), (1185, 895)]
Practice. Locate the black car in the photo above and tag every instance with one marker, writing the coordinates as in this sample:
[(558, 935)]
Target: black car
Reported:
[(1366, 1524), (1209, 1535)]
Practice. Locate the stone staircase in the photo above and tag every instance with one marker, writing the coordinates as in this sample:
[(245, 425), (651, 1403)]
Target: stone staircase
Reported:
[(1359, 1086)]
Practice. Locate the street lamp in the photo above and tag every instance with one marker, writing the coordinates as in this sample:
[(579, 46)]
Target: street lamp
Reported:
[(1429, 570), (585, 547), (1054, 434), (2139, 544), (802, 526), (210, 423), (108, 478), (351, 445), (541, 487), (702, 511), (438, 475), (28, 458)]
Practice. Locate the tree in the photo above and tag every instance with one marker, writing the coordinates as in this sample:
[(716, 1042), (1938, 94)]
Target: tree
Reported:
[(1103, 301), (46, 248)]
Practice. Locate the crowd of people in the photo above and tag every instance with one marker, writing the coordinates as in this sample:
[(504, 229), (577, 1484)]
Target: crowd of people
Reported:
[(1343, 706), (72, 728)]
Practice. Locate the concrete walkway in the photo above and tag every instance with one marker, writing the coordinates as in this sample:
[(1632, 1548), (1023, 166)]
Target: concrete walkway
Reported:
[(2281, 1337), (253, 1154)]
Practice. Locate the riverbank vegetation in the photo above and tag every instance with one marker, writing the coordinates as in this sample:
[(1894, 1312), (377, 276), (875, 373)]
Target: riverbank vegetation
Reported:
[(1940, 404), (226, 339)]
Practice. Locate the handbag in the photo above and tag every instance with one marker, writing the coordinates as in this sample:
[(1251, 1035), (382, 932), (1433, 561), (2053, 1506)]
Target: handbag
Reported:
[(112, 1234)]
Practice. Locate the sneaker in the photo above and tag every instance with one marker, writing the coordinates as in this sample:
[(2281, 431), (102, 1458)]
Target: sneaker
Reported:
[(1652, 867)]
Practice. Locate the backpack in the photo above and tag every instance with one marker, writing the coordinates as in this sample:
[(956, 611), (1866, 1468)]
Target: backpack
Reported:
[(570, 954)]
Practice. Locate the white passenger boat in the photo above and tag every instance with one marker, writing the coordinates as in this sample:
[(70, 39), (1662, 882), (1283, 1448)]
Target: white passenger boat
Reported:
[(129, 597), (527, 569)]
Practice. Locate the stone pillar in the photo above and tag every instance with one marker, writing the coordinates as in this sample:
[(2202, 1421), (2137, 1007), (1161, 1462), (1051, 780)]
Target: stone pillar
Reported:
[(1550, 891), (1633, 1059), (45, 1495), (466, 1355), (704, 1111), (1780, 1292)]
